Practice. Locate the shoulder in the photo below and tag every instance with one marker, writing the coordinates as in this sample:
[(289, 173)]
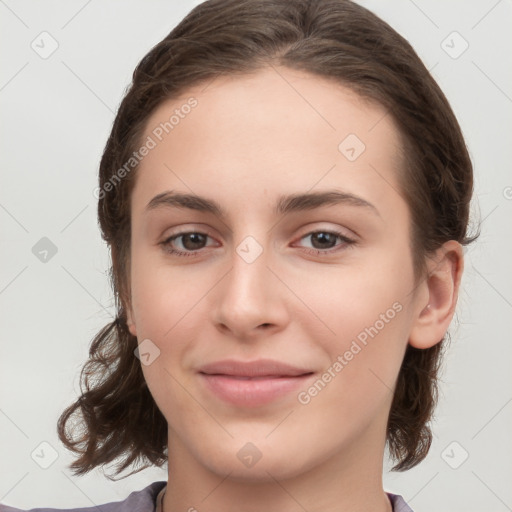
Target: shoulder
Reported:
[(137, 501), (399, 504)]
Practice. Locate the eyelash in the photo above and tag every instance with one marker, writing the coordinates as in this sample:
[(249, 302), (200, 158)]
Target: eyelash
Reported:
[(347, 242)]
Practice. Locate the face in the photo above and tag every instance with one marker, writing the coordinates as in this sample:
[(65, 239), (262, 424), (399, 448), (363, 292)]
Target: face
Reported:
[(298, 251)]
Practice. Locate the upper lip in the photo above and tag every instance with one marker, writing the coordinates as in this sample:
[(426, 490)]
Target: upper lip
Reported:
[(257, 368)]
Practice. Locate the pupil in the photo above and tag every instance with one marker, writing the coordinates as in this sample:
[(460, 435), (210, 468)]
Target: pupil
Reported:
[(324, 238), (196, 238)]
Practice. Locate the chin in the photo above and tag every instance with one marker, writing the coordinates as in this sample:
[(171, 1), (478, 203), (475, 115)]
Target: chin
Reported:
[(256, 462)]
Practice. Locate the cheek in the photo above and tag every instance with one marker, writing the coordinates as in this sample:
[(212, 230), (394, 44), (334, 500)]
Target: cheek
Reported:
[(364, 358), (161, 296), (347, 300), (165, 305), (365, 322)]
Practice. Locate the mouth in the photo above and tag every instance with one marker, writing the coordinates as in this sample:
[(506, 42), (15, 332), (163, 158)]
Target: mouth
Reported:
[(264, 377), (252, 384), (252, 369)]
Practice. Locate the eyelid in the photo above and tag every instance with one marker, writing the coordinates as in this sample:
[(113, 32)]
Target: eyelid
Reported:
[(337, 229), (308, 230), (184, 229), (173, 236), (346, 243)]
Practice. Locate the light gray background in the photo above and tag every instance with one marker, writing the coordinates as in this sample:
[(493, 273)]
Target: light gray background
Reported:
[(56, 116)]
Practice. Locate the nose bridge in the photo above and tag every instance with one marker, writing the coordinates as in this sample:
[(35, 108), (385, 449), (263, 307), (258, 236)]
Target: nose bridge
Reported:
[(249, 296)]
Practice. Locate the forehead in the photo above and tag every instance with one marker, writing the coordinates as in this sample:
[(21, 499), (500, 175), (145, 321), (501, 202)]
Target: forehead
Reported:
[(274, 130)]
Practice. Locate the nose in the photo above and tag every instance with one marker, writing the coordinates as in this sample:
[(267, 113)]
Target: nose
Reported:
[(250, 298)]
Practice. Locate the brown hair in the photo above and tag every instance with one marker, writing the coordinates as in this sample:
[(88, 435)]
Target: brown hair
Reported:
[(336, 39)]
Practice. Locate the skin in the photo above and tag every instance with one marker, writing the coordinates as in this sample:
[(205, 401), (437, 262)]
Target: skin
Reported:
[(248, 141)]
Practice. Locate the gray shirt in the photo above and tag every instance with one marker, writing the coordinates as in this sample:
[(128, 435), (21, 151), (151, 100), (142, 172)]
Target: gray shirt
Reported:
[(145, 500)]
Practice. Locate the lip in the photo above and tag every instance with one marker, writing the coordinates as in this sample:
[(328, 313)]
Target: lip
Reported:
[(257, 368), (253, 383)]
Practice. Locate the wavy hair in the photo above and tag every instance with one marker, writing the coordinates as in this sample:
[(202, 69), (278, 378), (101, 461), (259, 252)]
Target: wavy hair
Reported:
[(115, 418)]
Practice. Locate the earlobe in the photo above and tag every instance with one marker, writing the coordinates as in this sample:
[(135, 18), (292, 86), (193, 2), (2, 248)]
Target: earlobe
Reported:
[(442, 287)]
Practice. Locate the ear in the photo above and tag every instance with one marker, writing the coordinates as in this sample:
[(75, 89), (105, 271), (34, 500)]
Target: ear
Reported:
[(130, 317), (124, 289), (438, 296), (130, 322)]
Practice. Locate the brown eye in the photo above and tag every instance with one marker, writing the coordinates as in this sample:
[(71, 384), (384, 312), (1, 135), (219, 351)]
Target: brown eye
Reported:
[(185, 244), (193, 241), (323, 242)]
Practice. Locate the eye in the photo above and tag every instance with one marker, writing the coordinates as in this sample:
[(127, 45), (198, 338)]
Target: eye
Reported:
[(191, 243), (324, 241)]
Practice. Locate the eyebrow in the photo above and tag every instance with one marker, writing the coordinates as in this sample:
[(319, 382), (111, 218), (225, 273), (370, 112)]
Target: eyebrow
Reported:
[(284, 205)]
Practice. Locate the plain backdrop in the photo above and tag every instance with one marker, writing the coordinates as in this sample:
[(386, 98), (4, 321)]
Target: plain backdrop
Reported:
[(56, 116)]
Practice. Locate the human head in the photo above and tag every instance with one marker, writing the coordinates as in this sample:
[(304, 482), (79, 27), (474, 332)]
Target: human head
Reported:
[(332, 39)]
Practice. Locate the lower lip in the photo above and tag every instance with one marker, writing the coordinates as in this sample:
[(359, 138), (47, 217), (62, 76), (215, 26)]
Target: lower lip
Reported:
[(252, 392)]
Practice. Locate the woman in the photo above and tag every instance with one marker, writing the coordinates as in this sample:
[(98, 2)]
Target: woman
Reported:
[(285, 193)]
